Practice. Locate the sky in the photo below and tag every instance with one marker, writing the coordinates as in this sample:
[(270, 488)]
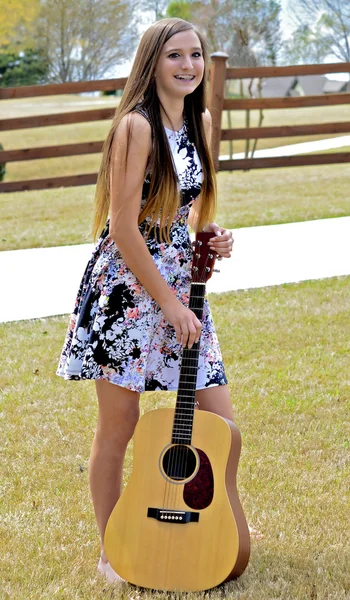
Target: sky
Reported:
[(288, 25)]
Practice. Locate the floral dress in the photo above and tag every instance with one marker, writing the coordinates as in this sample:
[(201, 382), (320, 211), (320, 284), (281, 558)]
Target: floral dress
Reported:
[(117, 331)]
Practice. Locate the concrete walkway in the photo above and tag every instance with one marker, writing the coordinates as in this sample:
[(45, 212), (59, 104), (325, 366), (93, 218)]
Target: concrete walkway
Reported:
[(294, 149), (43, 282)]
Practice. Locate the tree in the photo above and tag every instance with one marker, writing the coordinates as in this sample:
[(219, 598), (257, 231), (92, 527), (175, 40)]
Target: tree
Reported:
[(307, 46), (155, 8), (179, 9), (17, 23), (82, 39), (27, 67), (248, 30), (326, 24)]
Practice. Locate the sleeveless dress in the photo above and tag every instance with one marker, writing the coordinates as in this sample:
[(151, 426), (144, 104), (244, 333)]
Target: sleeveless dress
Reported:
[(117, 331)]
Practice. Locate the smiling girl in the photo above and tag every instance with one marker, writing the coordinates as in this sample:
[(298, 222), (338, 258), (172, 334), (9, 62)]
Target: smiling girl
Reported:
[(131, 317)]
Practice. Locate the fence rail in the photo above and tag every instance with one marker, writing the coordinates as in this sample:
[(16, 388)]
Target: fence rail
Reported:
[(288, 102), (288, 71), (54, 89), (252, 133), (219, 74)]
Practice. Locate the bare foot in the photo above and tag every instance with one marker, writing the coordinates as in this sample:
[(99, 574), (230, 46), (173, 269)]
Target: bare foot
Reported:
[(105, 569)]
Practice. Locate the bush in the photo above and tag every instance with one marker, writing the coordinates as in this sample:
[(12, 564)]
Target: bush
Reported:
[(23, 68)]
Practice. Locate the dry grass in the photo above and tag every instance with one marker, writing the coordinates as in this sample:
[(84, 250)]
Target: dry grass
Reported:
[(269, 196), (260, 197), (286, 351)]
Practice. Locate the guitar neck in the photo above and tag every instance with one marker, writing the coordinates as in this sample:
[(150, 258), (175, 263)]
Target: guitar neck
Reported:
[(183, 419)]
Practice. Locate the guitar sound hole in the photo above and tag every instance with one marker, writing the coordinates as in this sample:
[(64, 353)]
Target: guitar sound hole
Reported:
[(179, 462)]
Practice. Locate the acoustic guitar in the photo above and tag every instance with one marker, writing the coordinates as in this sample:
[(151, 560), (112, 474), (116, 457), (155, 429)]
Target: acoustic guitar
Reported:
[(179, 524)]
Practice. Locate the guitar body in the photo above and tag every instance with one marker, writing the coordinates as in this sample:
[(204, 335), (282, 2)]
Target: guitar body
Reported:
[(179, 524)]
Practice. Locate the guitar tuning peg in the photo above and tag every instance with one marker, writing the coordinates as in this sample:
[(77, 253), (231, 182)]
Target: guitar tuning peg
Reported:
[(216, 270)]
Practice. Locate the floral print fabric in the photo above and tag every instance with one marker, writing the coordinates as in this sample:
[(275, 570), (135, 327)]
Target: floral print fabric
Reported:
[(117, 331)]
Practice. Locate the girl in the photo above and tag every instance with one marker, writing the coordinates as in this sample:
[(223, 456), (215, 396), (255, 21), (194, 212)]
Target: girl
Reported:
[(131, 317)]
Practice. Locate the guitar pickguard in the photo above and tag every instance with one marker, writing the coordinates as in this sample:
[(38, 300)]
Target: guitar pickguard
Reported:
[(198, 493)]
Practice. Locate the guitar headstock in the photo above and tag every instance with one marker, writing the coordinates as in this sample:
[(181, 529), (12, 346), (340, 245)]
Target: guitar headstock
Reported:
[(203, 257)]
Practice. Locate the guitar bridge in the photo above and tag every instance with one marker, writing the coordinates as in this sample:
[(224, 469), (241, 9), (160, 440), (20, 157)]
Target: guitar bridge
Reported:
[(173, 516)]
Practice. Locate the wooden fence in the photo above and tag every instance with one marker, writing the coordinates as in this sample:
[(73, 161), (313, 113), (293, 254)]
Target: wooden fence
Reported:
[(217, 104), (220, 73)]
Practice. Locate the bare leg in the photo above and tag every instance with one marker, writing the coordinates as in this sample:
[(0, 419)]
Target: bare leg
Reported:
[(118, 415), (216, 400)]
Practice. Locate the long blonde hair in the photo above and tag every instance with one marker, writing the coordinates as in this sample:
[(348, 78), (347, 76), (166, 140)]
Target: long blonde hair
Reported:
[(163, 198)]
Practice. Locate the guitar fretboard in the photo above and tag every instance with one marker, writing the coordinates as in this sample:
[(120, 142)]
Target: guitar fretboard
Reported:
[(184, 410)]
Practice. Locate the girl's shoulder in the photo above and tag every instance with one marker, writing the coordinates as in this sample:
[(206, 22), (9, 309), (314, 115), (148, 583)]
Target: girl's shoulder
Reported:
[(136, 124), (140, 109)]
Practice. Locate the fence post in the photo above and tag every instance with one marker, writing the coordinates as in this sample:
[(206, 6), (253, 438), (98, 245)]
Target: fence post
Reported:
[(216, 99)]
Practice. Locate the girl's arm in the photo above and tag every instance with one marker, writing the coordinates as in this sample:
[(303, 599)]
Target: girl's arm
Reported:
[(127, 177)]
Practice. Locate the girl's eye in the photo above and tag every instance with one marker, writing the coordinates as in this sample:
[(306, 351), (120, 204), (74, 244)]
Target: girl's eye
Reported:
[(176, 54)]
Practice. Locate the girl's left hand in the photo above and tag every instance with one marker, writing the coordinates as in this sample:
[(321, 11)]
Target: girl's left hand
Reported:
[(222, 242)]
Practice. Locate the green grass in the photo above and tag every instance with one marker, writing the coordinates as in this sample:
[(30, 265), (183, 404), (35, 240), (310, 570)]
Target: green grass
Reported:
[(286, 351), (43, 218), (270, 196), (258, 197)]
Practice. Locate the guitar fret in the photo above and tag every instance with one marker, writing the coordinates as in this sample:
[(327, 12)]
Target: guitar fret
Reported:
[(187, 389), (187, 402)]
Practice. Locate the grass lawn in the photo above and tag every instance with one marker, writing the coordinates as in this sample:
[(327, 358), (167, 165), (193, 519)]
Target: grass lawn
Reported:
[(286, 351), (258, 197)]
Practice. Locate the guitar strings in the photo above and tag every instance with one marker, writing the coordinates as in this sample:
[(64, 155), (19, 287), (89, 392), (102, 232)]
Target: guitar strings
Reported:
[(198, 308), (184, 415), (186, 407), (177, 432)]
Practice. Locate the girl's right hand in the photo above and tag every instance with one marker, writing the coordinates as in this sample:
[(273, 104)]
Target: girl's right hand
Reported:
[(187, 326)]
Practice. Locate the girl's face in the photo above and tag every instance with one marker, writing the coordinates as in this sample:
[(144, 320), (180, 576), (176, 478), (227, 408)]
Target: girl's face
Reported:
[(180, 66)]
